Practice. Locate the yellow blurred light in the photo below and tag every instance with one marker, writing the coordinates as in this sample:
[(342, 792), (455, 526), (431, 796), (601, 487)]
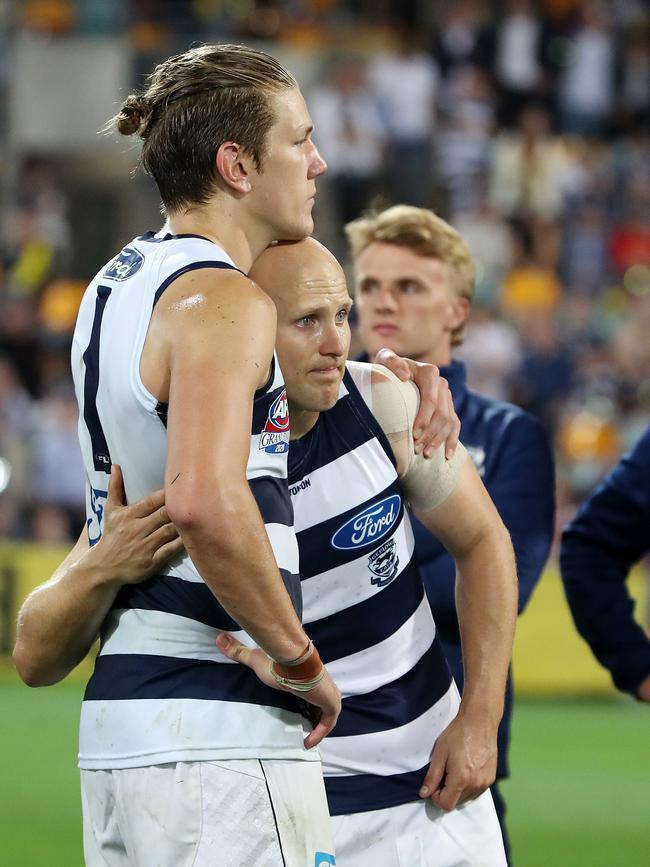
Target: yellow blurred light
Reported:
[(637, 280), (586, 437)]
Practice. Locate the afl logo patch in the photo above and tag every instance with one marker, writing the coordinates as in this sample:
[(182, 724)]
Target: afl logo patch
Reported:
[(124, 265), (368, 526), (274, 438), (383, 563)]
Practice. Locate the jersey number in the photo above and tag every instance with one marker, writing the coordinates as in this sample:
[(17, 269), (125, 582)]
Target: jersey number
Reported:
[(101, 455)]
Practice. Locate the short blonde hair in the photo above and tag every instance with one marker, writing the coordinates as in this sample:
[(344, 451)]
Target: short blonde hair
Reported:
[(426, 235)]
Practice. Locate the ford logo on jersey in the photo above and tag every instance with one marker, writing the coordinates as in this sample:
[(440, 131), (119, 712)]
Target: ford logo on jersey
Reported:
[(368, 526), (124, 265), (274, 438)]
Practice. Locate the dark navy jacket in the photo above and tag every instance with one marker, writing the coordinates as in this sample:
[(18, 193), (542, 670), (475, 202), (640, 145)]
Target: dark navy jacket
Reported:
[(608, 535), (513, 457)]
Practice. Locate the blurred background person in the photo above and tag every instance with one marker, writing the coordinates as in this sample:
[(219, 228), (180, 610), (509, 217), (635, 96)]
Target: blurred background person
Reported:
[(405, 80), (351, 136)]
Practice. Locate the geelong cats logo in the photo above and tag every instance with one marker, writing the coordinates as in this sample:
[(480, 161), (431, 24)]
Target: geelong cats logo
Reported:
[(383, 563), (368, 526), (274, 438)]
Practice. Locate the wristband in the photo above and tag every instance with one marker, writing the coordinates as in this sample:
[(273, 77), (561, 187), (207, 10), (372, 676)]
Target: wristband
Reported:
[(299, 659), (298, 685), (302, 674), (303, 668)]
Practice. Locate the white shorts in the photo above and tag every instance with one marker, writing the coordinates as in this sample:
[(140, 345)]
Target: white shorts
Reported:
[(240, 813), (421, 835)]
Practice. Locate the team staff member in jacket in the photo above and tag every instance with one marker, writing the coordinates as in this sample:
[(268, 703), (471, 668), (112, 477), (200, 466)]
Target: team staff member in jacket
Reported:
[(414, 285), (609, 534)]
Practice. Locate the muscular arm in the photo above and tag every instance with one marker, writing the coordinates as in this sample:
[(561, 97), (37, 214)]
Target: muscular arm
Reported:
[(452, 503), (60, 620), (220, 332), (609, 534)]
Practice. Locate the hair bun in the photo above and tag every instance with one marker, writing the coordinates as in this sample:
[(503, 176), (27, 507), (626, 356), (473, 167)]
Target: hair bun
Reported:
[(135, 111)]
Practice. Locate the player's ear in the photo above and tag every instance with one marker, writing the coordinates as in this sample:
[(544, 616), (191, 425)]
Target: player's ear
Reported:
[(234, 166), (460, 308)]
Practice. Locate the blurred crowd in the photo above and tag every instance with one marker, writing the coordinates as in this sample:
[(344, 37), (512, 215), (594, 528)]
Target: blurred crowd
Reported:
[(526, 125)]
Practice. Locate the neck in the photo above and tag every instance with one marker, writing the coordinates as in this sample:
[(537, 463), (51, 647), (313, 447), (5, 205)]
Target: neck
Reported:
[(302, 420), (223, 221)]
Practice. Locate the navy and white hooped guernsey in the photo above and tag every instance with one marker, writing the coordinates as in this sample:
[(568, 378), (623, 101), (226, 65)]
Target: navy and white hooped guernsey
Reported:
[(365, 608), (161, 691)]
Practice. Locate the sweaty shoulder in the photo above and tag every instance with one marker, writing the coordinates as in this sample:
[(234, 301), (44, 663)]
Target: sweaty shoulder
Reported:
[(218, 319), (217, 291)]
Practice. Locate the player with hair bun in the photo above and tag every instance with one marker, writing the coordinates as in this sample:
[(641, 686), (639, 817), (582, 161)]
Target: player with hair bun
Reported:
[(183, 754)]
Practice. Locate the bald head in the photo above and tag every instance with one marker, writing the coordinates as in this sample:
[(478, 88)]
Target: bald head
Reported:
[(308, 287), (291, 268)]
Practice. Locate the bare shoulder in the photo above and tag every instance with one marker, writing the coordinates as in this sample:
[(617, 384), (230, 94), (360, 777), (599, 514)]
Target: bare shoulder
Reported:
[(217, 292)]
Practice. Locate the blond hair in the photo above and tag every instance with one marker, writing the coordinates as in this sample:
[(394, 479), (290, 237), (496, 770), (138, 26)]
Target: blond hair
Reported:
[(192, 104), (426, 234)]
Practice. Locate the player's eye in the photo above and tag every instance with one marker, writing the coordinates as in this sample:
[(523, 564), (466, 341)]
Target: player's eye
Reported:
[(367, 286)]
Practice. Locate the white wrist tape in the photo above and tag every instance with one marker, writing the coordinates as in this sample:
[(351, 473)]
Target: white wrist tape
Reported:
[(427, 482)]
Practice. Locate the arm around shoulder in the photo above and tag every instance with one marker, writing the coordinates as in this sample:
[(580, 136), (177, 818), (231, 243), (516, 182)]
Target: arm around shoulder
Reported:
[(59, 621)]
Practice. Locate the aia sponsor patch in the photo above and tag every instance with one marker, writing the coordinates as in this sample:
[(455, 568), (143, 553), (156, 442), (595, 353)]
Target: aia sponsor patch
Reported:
[(274, 438)]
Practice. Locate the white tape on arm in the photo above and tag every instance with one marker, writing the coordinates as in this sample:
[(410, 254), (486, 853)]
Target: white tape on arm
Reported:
[(427, 482)]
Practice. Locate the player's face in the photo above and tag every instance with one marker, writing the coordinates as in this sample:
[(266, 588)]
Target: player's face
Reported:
[(405, 302), (313, 340), (284, 189)]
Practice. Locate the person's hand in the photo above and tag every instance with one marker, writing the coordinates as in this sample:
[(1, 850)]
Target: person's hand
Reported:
[(325, 697), (436, 422), (138, 539), (643, 692), (463, 764)]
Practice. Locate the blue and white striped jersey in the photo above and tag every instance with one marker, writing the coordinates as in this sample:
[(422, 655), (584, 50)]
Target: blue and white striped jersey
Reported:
[(161, 691), (366, 610)]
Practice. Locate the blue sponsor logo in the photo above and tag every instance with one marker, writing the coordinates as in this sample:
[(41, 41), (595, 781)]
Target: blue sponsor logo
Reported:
[(324, 859), (124, 265), (368, 526)]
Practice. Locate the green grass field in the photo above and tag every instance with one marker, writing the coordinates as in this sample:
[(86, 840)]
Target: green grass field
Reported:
[(579, 796)]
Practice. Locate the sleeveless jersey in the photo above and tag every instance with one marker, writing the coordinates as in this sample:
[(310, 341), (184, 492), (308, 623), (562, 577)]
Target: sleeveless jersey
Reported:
[(366, 610), (161, 691)]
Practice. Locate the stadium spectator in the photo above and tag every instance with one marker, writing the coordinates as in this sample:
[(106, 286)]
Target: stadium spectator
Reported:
[(545, 375), (528, 168), (351, 136), (586, 86), (610, 533), (57, 469), (491, 351), (518, 59), (406, 84), (463, 143), (461, 38), (491, 243)]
